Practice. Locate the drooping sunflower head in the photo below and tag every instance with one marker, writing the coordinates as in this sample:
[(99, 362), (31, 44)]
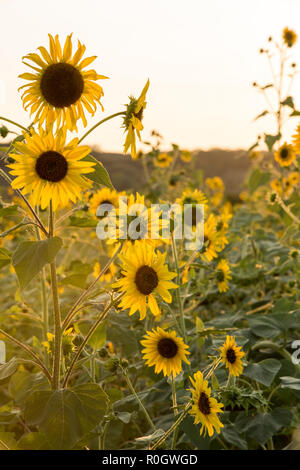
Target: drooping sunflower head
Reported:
[(289, 37), (231, 355), (205, 409), (223, 275), (60, 89), (296, 140), (49, 169), (133, 120), (285, 155), (145, 277), (165, 351)]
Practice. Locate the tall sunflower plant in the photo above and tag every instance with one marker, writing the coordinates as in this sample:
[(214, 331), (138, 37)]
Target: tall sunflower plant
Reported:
[(135, 341)]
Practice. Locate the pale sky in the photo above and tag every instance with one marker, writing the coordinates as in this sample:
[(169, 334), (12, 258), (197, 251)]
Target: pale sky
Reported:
[(201, 57)]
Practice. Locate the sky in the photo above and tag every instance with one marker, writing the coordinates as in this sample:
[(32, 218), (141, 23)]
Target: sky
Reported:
[(201, 58)]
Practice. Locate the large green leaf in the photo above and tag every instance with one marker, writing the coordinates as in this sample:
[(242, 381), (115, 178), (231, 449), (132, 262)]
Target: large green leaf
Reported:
[(99, 175), (263, 372), (264, 425), (8, 441), (9, 368), (98, 338), (257, 179), (65, 416), (5, 257), (30, 258)]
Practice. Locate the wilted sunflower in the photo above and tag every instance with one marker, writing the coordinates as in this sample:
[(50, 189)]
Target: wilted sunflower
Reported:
[(133, 120), (60, 88), (104, 196), (165, 351), (48, 169), (145, 276), (289, 37), (205, 409), (223, 275), (231, 355), (163, 160), (285, 155)]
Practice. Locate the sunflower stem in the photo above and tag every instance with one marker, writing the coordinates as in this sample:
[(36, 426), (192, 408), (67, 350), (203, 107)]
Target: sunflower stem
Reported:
[(14, 123), (56, 311), (99, 124), (174, 400), (131, 387), (89, 334), (179, 283), (81, 298)]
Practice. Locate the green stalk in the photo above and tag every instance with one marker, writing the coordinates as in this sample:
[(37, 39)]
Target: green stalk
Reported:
[(131, 387), (14, 123), (174, 400), (56, 311), (99, 124), (182, 322)]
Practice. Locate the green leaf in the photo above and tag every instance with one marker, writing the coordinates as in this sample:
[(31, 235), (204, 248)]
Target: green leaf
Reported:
[(98, 338), (192, 431), (233, 437), (290, 382), (9, 368), (8, 211), (288, 102), (264, 113), (264, 425), (263, 372), (8, 441), (65, 416), (99, 175), (82, 222), (295, 113), (30, 258), (33, 441), (257, 179), (5, 257), (270, 140)]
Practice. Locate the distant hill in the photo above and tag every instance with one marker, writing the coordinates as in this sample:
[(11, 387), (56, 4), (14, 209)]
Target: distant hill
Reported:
[(230, 165)]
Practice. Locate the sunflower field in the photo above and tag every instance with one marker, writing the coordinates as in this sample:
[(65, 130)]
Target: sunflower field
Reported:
[(138, 342)]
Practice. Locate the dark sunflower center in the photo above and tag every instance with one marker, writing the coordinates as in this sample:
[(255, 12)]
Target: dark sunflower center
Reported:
[(167, 348), (51, 166), (203, 404), (61, 84), (231, 356), (220, 276), (146, 279), (284, 153)]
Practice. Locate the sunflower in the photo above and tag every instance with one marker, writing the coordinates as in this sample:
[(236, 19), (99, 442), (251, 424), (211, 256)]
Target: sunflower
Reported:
[(185, 156), (165, 351), (163, 160), (231, 355), (223, 275), (109, 273), (285, 155), (289, 37), (67, 342), (104, 196), (145, 276), (193, 198), (133, 120), (214, 240), (205, 409), (60, 88), (48, 169)]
